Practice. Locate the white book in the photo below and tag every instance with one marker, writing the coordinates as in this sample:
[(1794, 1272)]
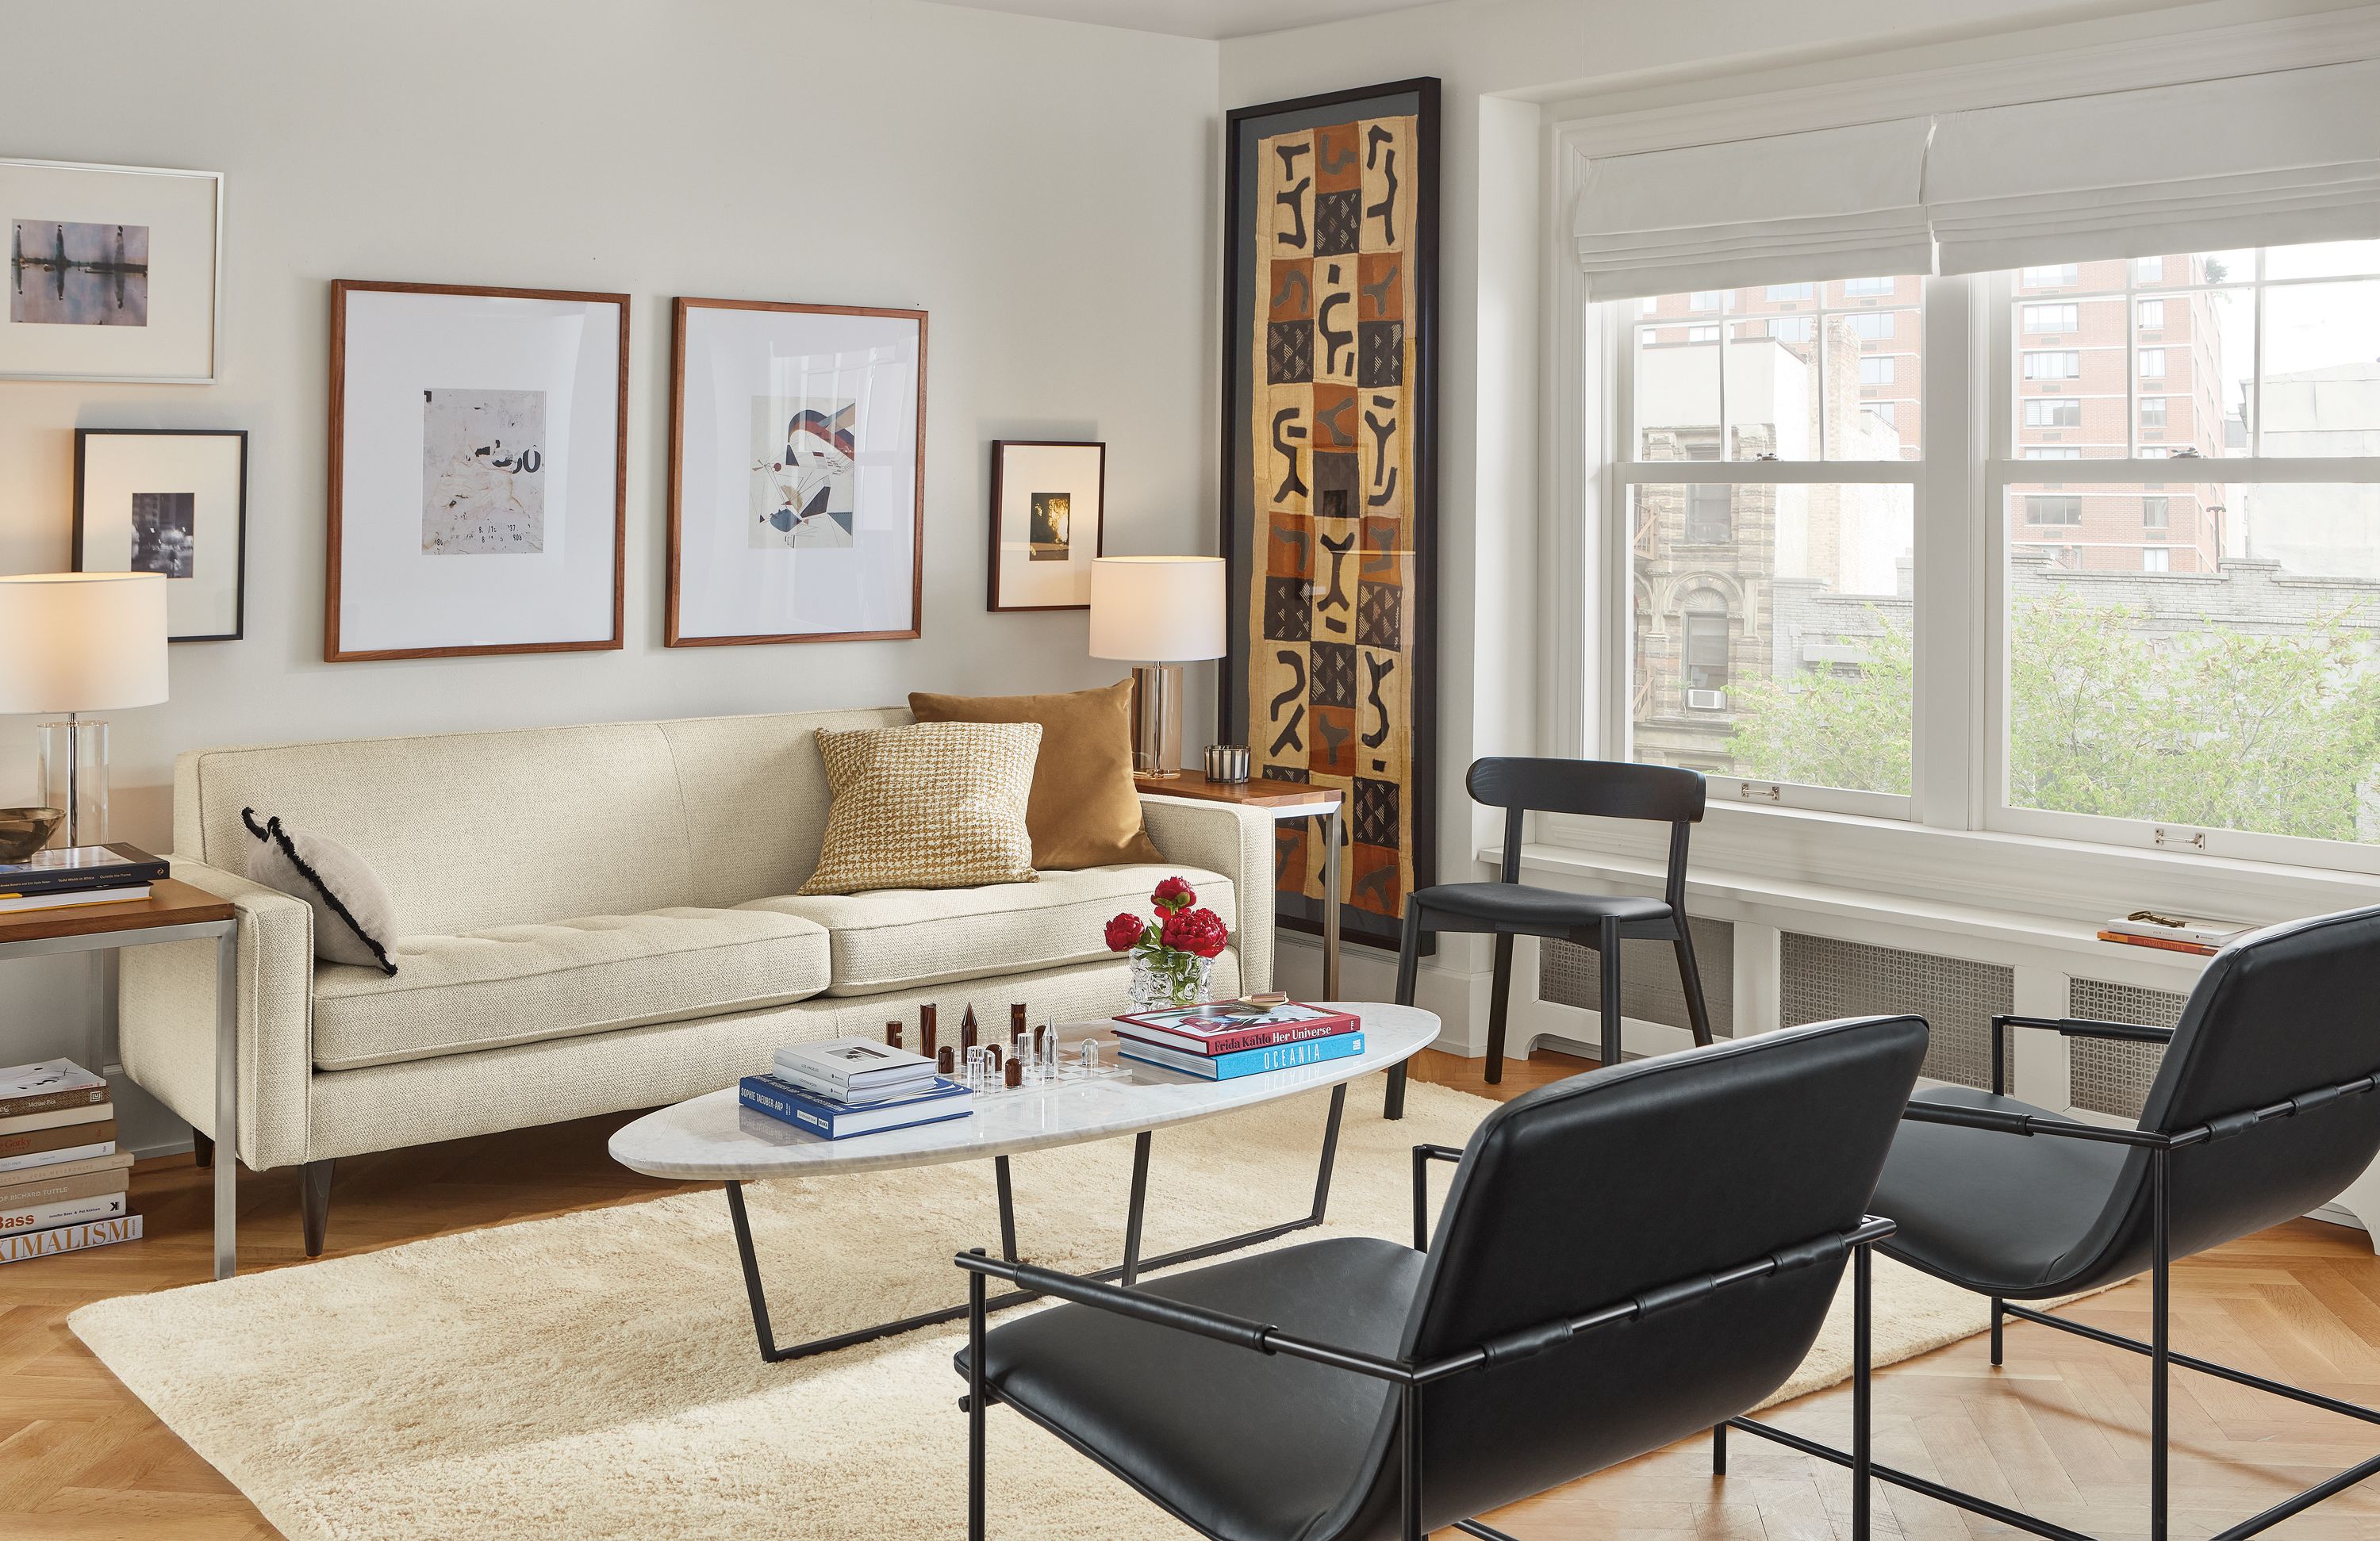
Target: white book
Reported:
[(2195, 929), (46, 1158), (68, 1238), (848, 1063), (65, 1211), (11, 904), (873, 1091), (49, 1076), (25, 1123)]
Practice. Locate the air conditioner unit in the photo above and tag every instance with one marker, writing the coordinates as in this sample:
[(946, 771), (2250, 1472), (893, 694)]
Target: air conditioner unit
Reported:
[(1707, 700)]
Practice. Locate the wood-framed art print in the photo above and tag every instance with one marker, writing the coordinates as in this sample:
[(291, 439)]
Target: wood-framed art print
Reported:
[(1048, 522), (1330, 480), (114, 273), (798, 474), (171, 500), (479, 470)]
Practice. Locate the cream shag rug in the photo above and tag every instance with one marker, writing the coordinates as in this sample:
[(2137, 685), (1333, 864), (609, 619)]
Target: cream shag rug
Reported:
[(595, 1375)]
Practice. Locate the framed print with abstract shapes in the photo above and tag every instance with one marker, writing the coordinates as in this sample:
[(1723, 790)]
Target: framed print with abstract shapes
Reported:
[(797, 460), (170, 501), (479, 470), (114, 273), (1048, 523), (1330, 484)]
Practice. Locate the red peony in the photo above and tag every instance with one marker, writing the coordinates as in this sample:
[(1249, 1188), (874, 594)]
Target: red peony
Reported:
[(1196, 931), (1174, 893), (1123, 933)]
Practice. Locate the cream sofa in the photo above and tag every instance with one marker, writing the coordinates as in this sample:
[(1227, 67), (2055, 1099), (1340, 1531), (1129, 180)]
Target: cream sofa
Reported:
[(599, 918)]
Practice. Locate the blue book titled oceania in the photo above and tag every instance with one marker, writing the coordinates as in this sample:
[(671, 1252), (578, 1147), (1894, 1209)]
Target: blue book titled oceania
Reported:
[(1247, 1061), (839, 1120)]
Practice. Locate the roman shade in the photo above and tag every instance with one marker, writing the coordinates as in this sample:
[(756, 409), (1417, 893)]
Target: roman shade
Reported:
[(1834, 203), (2257, 160)]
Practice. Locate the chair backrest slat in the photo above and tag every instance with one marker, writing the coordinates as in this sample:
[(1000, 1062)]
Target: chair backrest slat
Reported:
[(1608, 789)]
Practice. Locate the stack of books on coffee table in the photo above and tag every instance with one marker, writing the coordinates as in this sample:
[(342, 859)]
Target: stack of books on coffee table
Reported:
[(63, 1183), (1224, 1041), (77, 875), (843, 1086)]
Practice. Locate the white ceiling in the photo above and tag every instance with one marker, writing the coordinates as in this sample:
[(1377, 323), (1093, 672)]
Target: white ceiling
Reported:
[(1196, 18)]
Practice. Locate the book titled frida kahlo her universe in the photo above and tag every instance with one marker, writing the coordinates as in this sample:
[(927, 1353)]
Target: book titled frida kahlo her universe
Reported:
[(1230, 1026)]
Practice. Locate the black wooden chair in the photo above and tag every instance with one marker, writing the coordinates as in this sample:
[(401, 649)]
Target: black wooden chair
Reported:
[(1509, 907), (1353, 1390), (2262, 1109)]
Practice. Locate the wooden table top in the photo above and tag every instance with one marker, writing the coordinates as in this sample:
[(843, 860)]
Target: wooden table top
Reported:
[(1252, 792), (170, 902)]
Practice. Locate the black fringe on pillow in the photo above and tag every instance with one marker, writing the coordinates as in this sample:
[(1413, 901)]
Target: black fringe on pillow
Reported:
[(272, 831)]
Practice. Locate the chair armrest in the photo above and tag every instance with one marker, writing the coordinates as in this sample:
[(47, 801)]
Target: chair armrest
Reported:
[(1238, 843), (2085, 1027), (1998, 1122), (166, 1019), (1423, 1155)]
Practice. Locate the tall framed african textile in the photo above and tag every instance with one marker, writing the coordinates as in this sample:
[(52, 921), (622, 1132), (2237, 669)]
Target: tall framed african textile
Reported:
[(1330, 481)]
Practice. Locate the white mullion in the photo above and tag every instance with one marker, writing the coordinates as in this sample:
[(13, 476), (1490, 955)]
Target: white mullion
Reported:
[(1944, 608), (2257, 366), (1614, 734), (1987, 749), (1761, 472)]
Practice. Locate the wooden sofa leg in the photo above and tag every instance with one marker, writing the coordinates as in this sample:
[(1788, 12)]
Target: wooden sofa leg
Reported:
[(202, 1150), (315, 1204)]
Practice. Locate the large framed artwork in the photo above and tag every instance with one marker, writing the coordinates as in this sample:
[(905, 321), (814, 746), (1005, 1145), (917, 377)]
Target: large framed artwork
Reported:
[(171, 500), (114, 273), (1048, 520), (479, 470), (797, 460), (1330, 480)]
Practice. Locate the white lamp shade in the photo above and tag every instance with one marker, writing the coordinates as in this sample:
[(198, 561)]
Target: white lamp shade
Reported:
[(1157, 609), (81, 641)]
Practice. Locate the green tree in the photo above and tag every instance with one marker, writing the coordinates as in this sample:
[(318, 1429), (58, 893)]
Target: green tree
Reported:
[(1832, 727)]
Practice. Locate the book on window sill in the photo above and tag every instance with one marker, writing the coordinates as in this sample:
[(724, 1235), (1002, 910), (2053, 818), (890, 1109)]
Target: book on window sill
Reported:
[(49, 1086), (2178, 933), (17, 1222), (71, 898), (783, 1100), (68, 1238), (1231, 1027), (83, 867), (1248, 1061)]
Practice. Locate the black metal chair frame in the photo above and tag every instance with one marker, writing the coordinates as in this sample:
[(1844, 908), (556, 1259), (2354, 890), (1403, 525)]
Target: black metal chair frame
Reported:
[(1605, 937), (2158, 1350), (1409, 1378)]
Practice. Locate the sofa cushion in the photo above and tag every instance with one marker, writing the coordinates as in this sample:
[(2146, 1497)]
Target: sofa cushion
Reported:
[(1084, 810), (931, 805), (524, 984), (897, 939)]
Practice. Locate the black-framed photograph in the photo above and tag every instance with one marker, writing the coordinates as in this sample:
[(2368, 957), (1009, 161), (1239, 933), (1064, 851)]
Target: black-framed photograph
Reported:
[(168, 501), (1049, 514), (1330, 481)]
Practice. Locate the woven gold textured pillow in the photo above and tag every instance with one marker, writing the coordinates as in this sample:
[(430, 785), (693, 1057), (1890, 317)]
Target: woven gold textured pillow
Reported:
[(929, 805)]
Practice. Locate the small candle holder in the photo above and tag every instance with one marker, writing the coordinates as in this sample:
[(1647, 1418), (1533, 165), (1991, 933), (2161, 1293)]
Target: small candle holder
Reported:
[(1227, 763)]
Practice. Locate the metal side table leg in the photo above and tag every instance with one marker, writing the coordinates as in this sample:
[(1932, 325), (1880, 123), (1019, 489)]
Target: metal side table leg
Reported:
[(1331, 826), (226, 1130)]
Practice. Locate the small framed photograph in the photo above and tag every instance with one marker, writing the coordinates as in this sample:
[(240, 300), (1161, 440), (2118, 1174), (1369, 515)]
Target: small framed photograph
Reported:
[(170, 501), (1047, 522), (797, 445), (114, 273), (479, 470)]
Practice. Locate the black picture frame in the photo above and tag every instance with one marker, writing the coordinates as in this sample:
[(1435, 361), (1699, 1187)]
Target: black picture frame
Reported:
[(84, 524), (1245, 545)]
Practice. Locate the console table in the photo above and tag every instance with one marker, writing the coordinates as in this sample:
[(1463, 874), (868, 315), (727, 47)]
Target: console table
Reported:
[(1281, 800), (173, 911)]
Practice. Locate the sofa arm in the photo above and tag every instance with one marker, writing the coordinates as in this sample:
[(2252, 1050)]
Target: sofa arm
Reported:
[(1237, 842), (165, 1020)]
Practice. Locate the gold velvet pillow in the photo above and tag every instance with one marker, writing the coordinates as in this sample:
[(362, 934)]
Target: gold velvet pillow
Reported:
[(1085, 811), (928, 805)]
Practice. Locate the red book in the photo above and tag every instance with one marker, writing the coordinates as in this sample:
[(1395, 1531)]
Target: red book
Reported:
[(1230, 1026)]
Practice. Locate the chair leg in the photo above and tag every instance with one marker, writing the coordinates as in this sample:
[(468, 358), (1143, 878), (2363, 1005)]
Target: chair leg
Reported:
[(976, 1398), (1999, 1313), (1863, 1374), (1411, 1427), (202, 1150), (1719, 1451), (1408, 967), (2160, 1340), (1690, 975), (1607, 966), (1500, 1005), (315, 1204)]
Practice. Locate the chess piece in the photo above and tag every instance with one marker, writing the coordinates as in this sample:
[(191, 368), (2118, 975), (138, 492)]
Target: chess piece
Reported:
[(1014, 1074), (944, 1062), (892, 1035), (926, 1023), (968, 1029), (1015, 1020)]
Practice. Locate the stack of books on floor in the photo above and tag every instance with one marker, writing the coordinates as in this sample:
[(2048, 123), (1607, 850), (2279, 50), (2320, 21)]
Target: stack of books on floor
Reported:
[(62, 1182), (77, 875), (844, 1086), (1224, 1041)]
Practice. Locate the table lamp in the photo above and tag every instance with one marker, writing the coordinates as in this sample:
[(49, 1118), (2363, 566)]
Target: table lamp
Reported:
[(1159, 612), (77, 642)]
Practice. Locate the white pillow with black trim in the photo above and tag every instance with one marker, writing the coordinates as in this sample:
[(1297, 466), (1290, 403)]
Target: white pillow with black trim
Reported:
[(355, 922)]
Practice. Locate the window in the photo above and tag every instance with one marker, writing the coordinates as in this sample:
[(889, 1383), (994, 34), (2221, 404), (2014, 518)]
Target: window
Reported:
[(2064, 277), (1793, 329), (2148, 270), (2155, 512), (1704, 299), (2053, 412), (1881, 417), (2042, 510), (2157, 559), (1703, 645), (2151, 315), (1702, 333), (2064, 365), (1870, 326), (2152, 363), (2053, 452), (1710, 514), (1857, 288), (1784, 292), (2052, 318), (1875, 371), (1652, 304), (2152, 414)]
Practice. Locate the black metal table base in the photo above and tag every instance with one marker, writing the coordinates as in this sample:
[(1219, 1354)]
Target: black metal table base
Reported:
[(1128, 1272)]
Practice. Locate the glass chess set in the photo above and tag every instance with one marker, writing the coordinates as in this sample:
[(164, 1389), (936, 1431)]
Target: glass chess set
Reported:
[(1032, 1059)]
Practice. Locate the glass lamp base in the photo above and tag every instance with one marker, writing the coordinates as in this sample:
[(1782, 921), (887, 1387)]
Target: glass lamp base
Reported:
[(74, 778)]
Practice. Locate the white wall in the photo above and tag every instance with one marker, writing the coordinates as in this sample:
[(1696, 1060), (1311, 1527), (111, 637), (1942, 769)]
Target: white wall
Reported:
[(1045, 190)]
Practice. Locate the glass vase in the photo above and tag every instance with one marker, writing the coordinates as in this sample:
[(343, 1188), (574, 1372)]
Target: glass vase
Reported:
[(1170, 979)]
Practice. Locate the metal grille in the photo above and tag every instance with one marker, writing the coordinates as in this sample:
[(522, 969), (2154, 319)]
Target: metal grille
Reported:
[(1825, 978), (2114, 1078), (1570, 975)]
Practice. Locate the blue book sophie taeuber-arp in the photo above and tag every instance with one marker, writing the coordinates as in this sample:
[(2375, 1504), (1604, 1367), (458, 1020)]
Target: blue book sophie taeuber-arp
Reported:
[(1248, 1061), (805, 1109)]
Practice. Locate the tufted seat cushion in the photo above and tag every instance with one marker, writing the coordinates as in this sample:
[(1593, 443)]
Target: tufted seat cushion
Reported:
[(524, 984), (903, 938)]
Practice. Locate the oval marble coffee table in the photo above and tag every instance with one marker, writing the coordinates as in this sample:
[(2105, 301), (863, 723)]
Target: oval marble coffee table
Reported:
[(712, 1137)]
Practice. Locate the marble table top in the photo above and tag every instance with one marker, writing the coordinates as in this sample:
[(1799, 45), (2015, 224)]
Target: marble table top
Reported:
[(712, 1138)]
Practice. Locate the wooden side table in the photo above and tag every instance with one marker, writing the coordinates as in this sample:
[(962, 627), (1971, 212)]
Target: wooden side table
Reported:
[(1281, 800), (173, 911)]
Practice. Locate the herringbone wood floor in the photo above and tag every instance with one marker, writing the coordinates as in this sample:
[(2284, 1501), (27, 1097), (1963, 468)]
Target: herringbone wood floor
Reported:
[(2060, 1430)]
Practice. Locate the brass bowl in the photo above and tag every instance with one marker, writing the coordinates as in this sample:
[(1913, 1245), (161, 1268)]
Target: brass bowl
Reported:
[(25, 831)]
